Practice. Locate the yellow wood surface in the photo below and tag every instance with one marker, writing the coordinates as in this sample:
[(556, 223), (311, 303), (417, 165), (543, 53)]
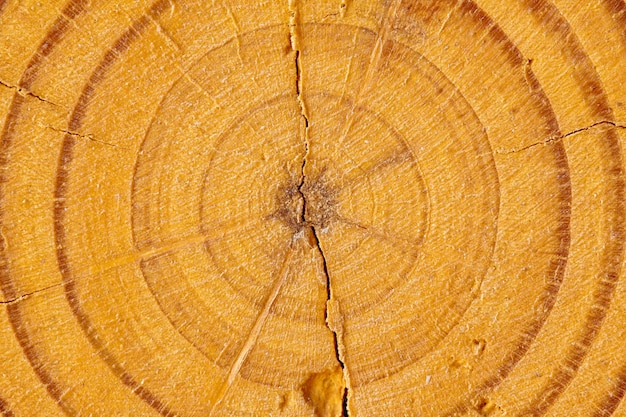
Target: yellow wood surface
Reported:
[(312, 208)]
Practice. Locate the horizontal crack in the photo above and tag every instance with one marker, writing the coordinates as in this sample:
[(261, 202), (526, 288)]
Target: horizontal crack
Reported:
[(88, 136), (23, 92), (27, 295), (559, 138)]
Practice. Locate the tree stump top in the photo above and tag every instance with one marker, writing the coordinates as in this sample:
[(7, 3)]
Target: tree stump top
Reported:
[(312, 208)]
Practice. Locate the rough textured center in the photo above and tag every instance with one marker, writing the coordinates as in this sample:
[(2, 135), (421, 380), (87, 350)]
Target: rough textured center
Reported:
[(309, 203)]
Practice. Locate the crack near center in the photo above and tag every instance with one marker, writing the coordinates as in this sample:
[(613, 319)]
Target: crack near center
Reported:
[(294, 42)]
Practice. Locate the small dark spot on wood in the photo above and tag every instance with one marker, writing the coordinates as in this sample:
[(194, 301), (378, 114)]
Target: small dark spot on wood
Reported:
[(479, 346)]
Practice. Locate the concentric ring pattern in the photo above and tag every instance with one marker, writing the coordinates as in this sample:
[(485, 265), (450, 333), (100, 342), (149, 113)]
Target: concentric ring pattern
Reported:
[(312, 208)]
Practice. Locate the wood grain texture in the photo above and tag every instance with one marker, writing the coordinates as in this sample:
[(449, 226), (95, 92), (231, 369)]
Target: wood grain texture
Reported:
[(312, 208)]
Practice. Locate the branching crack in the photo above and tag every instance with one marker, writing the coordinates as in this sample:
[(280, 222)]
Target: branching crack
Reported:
[(561, 137), (27, 295), (23, 92)]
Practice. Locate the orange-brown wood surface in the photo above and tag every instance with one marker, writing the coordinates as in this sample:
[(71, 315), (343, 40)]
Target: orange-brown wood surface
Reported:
[(312, 208)]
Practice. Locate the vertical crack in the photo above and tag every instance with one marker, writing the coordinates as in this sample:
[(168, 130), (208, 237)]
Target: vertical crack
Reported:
[(306, 135), (299, 96), (335, 336), (302, 220), (295, 46)]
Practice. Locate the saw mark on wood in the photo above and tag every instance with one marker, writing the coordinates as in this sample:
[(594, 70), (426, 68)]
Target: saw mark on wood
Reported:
[(237, 35), (406, 245), (376, 54), (349, 66), (301, 189), (185, 74), (446, 19), (149, 253), (165, 33), (260, 321)]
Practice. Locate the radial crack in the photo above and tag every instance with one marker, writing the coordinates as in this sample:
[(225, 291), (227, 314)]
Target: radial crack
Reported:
[(27, 295), (561, 137), (329, 295), (88, 136), (326, 314), (295, 45), (23, 92)]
